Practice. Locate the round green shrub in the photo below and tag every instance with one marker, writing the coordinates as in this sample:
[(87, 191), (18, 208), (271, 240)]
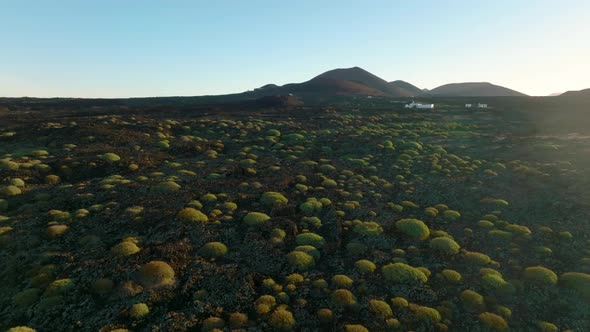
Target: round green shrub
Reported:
[(325, 315), (110, 157), (547, 327), (540, 276), (311, 239), (365, 266), (403, 274), (425, 314), (156, 273), (355, 328), (10, 191), (477, 258), (493, 321), (310, 250), (380, 309), (342, 281), (272, 198), (17, 182), (451, 276), (192, 215), (399, 302), (213, 250), (213, 324), (576, 281), (21, 329), (256, 218), (497, 284), (264, 304), (300, 260), (282, 320), (125, 248), (451, 215), (414, 228), (58, 287), (472, 300), (311, 207), (56, 230), (343, 297), (238, 319), (445, 245), (368, 228), (52, 179), (139, 310)]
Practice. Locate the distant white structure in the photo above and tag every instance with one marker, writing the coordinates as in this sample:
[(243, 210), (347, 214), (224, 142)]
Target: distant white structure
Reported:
[(415, 105), (480, 105), (468, 105)]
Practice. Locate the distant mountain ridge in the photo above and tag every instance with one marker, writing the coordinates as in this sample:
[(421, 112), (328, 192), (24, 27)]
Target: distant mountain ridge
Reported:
[(473, 89), (579, 93), (356, 81)]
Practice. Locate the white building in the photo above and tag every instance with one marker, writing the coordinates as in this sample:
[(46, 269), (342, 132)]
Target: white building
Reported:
[(419, 106), (468, 105), (480, 105)]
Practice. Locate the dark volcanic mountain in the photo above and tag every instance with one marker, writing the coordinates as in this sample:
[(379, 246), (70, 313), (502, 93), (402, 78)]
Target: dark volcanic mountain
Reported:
[(409, 89), (473, 89), (580, 93), (345, 82)]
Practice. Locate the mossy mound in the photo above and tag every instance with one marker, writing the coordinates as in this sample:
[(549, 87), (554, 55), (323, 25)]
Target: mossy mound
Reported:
[(256, 218), (414, 228), (403, 273), (445, 245), (139, 310), (539, 276), (213, 250), (192, 215), (310, 239), (300, 260), (156, 273), (576, 281), (272, 198)]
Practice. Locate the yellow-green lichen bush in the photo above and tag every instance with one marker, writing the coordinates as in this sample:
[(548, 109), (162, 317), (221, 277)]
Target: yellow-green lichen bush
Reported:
[(272, 198), (342, 281), (300, 260), (156, 273), (578, 282), (125, 248), (59, 287), (445, 245), (380, 308), (451, 276), (365, 266), (310, 239), (213, 250), (256, 218), (355, 328), (139, 310), (403, 273), (493, 321), (282, 320), (414, 228), (343, 297), (21, 329), (192, 215), (540, 276), (472, 300)]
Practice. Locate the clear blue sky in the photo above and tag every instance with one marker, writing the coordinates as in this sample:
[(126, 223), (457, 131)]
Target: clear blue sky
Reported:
[(122, 48)]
